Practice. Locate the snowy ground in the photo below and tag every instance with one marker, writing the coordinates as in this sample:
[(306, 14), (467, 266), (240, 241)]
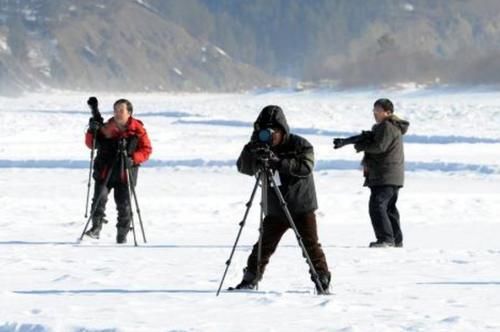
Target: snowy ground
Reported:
[(447, 278)]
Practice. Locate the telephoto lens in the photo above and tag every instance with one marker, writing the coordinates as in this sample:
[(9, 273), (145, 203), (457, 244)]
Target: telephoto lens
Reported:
[(266, 135)]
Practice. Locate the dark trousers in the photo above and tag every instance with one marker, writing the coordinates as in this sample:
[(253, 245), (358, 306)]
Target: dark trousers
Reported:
[(273, 230), (122, 201), (384, 214)]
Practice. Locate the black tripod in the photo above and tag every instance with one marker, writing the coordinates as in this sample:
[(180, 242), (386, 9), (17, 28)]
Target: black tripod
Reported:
[(266, 178), (92, 151), (120, 160)]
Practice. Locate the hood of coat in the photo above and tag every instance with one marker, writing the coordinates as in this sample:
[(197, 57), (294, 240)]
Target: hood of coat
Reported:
[(272, 116), (399, 123)]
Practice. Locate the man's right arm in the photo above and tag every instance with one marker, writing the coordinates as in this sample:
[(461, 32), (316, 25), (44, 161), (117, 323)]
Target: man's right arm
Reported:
[(94, 127), (247, 163)]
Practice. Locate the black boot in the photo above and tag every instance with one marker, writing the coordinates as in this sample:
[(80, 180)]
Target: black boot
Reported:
[(382, 244), (96, 227), (324, 279), (245, 285), (249, 281), (121, 235)]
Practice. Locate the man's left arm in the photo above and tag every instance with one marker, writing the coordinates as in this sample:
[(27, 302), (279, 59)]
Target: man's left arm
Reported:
[(144, 149), (300, 163)]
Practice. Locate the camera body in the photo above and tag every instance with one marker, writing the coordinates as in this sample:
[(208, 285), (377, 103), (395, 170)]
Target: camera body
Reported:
[(363, 137)]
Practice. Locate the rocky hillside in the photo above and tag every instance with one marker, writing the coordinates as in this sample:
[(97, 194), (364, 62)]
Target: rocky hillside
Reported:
[(233, 45), (111, 45)]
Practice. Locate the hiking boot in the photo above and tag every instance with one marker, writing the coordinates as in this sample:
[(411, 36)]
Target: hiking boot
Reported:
[(249, 281), (95, 231), (121, 235), (245, 285), (381, 244), (121, 239), (324, 279)]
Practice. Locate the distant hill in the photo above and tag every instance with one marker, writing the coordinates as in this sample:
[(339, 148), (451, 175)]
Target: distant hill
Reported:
[(111, 45), (233, 45), (353, 42)]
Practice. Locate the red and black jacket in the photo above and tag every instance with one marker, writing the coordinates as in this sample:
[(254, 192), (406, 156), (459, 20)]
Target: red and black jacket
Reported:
[(108, 140)]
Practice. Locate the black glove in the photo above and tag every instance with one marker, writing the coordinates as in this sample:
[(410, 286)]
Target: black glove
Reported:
[(253, 145), (338, 143), (94, 125)]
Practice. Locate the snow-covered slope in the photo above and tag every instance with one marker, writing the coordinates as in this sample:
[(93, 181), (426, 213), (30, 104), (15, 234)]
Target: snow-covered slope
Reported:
[(446, 278)]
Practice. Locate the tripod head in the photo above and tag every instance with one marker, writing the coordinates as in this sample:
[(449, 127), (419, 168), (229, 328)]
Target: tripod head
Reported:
[(122, 145), (122, 148), (263, 152), (264, 156)]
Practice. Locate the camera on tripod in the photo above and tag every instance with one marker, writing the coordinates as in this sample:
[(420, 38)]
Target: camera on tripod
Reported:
[(261, 147)]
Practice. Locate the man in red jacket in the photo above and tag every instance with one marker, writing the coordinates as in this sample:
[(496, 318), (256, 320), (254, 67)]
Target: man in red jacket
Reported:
[(121, 132)]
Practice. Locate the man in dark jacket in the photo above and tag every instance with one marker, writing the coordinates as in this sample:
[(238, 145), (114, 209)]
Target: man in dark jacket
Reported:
[(293, 160), (122, 131), (383, 165)]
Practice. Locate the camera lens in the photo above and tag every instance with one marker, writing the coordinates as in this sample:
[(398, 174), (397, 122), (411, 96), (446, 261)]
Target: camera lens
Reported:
[(266, 135)]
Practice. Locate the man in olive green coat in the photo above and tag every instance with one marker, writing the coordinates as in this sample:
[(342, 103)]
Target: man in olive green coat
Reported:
[(383, 165)]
